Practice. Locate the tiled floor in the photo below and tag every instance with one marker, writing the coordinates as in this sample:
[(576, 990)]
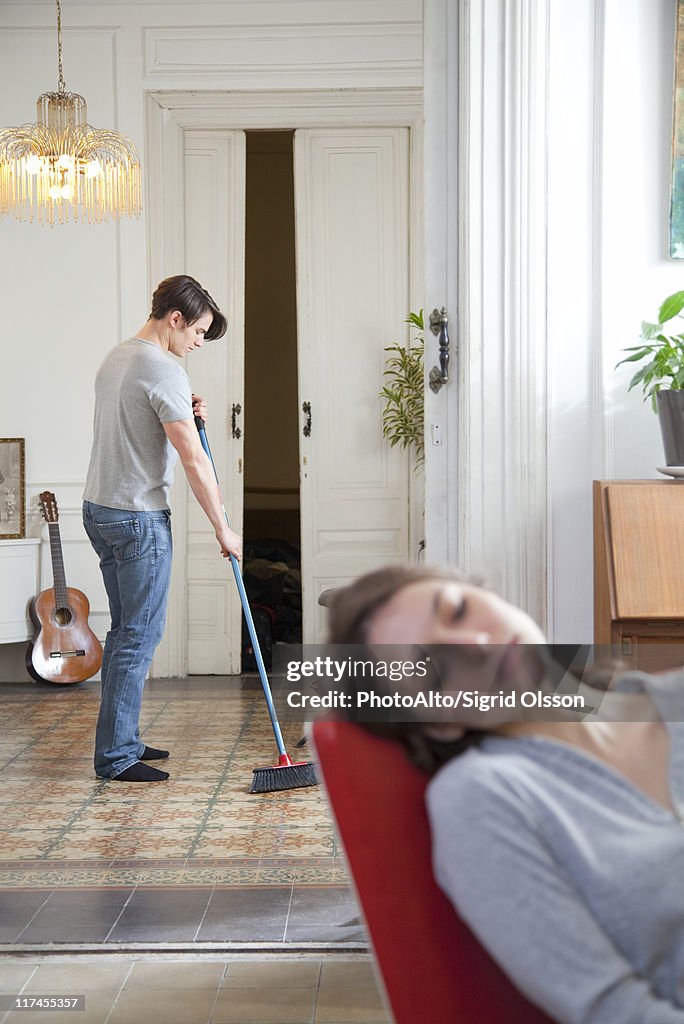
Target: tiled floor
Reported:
[(180, 917), (120, 990), (194, 859)]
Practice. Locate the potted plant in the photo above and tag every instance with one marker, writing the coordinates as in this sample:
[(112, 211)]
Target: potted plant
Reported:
[(662, 377), (403, 413)]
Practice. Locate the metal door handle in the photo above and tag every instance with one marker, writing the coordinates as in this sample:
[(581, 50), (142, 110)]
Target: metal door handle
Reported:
[(306, 409), (439, 325), (234, 429)]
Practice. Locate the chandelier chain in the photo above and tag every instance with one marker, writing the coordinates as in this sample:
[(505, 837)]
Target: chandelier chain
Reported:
[(62, 84)]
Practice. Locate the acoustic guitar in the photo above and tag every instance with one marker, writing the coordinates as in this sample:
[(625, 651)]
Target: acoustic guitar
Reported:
[(64, 648)]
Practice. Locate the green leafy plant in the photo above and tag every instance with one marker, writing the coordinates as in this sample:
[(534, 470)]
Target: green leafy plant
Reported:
[(403, 413), (665, 352)]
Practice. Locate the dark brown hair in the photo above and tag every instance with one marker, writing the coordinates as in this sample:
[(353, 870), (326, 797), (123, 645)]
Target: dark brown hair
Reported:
[(185, 294), (350, 612), (351, 608)]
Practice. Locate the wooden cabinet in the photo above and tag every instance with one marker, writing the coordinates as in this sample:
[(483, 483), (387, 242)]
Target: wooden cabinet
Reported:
[(639, 571)]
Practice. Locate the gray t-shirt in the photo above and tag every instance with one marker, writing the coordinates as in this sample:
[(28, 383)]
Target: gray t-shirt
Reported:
[(571, 876), (137, 389)]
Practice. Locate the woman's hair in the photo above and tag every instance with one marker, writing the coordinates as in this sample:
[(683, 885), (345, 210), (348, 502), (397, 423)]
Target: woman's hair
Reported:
[(350, 612), (351, 608), (185, 294)]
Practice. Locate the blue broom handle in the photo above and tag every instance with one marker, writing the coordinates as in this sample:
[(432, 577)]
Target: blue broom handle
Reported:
[(246, 609)]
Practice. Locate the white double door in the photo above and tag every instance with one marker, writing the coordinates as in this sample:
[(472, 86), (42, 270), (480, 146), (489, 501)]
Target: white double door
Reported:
[(352, 257)]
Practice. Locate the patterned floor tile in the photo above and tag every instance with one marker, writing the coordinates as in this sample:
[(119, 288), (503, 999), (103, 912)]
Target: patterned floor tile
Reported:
[(108, 845), (230, 843), (182, 816), (202, 828), (17, 846), (23, 819)]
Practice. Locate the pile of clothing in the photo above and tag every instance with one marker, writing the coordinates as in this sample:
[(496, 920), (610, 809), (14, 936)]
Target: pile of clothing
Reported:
[(273, 581)]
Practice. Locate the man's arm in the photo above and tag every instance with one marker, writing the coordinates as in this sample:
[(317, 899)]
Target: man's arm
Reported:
[(184, 437)]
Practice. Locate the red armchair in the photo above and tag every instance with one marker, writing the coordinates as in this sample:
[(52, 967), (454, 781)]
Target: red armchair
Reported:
[(433, 968)]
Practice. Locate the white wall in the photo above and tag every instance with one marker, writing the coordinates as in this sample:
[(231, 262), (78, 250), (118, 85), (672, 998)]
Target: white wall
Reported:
[(62, 297), (636, 273), (565, 111), (610, 123), (70, 293)]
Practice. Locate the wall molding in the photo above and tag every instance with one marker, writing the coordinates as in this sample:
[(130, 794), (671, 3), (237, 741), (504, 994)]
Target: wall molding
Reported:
[(288, 108), (247, 56), (503, 336), (165, 186)]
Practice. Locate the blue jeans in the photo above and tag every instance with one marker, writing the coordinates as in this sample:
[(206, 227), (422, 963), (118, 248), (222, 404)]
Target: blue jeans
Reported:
[(135, 558)]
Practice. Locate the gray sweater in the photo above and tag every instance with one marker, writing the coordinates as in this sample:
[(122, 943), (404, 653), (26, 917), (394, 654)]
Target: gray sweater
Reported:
[(570, 875)]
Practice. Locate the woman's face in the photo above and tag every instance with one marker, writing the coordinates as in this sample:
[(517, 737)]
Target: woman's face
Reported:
[(442, 612), (478, 642)]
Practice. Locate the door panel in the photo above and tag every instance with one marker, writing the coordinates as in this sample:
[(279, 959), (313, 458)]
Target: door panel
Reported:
[(215, 233), (443, 157), (352, 217)]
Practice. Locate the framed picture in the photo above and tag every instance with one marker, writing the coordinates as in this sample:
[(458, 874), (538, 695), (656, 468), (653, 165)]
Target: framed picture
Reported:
[(677, 183), (12, 500)]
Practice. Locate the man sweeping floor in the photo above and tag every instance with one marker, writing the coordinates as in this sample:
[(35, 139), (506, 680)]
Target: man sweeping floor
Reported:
[(144, 410)]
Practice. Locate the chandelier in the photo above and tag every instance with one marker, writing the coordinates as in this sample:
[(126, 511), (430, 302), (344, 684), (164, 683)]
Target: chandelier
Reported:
[(62, 165)]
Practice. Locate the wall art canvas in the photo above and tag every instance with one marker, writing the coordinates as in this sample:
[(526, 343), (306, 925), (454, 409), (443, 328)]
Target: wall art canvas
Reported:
[(677, 195), (12, 504)]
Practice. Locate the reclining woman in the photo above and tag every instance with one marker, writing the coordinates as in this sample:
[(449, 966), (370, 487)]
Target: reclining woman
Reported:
[(560, 842)]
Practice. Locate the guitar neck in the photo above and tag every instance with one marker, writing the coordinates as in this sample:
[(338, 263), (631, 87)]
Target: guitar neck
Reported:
[(58, 573)]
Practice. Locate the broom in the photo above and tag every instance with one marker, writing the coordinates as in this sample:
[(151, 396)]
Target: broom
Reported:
[(287, 774)]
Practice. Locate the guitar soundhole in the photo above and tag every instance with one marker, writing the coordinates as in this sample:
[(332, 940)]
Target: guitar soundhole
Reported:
[(63, 616)]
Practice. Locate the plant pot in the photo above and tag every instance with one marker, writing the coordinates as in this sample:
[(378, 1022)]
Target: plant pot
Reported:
[(671, 418)]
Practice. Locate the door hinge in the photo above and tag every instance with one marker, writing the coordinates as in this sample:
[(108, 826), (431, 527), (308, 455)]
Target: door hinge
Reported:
[(306, 409), (234, 429)]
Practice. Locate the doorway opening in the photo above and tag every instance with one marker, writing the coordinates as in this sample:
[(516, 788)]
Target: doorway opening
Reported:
[(272, 543)]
